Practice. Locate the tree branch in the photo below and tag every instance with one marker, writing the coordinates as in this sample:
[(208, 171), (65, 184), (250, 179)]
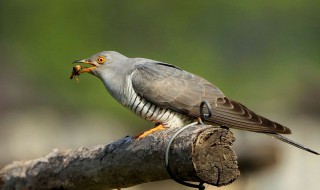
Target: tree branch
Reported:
[(198, 153)]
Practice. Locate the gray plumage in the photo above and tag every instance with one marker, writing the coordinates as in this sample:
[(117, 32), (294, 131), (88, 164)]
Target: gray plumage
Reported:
[(164, 93), (178, 90)]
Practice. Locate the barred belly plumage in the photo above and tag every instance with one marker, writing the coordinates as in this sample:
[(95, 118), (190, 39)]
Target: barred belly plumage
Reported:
[(153, 113)]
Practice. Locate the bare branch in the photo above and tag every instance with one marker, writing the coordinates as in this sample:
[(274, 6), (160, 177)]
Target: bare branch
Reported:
[(199, 153)]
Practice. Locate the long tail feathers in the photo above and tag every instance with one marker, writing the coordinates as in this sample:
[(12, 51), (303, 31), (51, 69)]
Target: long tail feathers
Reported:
[(286, 140)]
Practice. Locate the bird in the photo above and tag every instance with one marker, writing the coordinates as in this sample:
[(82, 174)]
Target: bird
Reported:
[(169, 96)]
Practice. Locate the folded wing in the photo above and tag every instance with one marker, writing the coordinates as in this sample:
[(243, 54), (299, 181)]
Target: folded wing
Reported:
[(170, 87)]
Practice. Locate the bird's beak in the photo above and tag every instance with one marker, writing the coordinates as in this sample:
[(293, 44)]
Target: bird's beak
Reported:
[(86, 69), (86, 61), (82, 61), (78, 69)]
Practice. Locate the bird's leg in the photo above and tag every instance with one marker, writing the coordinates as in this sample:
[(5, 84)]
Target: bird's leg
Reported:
[(200, 120), (157, 127)]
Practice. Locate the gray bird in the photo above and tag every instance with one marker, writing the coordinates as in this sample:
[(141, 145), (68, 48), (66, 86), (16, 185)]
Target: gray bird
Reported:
[(165, 94)]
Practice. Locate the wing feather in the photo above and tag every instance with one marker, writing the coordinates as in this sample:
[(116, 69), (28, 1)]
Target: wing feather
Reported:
[(170, 87)]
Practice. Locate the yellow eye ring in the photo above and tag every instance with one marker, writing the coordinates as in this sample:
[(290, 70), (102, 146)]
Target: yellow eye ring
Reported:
[(101, 59)]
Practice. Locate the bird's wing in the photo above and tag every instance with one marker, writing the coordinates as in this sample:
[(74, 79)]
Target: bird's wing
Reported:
[(168, 86), (234, 114), (171, 87)]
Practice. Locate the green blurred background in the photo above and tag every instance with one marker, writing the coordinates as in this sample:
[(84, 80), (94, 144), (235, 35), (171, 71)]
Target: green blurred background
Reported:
[(264, 54)]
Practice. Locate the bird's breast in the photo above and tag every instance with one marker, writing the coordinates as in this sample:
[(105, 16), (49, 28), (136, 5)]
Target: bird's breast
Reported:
[(151, 112), (156, 114)]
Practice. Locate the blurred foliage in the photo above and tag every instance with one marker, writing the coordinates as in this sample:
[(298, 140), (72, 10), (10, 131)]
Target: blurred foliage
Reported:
[(262, 53)]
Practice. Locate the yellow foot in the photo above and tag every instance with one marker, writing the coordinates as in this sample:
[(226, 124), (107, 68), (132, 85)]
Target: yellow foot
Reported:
[(200, 120), (146, 133)]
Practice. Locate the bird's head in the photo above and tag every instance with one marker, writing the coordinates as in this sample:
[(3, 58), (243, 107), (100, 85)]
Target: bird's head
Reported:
[(98, 62)]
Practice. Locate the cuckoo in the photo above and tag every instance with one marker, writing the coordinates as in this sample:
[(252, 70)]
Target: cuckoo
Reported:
[(170, 97)]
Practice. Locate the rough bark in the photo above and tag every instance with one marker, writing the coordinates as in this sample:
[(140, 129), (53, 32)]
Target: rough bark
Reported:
[(198, 153)]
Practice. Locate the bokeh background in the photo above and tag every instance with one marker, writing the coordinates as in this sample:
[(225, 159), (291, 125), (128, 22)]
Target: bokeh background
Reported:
[(264, 54)]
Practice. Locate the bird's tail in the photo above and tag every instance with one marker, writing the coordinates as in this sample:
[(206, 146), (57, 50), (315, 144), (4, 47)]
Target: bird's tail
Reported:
[(286, 140)]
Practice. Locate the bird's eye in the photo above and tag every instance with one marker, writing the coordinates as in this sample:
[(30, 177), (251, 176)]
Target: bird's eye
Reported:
[(101, 59)]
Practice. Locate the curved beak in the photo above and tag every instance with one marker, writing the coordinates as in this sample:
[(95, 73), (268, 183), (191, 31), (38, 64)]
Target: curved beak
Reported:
[(82, 61), (78, 69)]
